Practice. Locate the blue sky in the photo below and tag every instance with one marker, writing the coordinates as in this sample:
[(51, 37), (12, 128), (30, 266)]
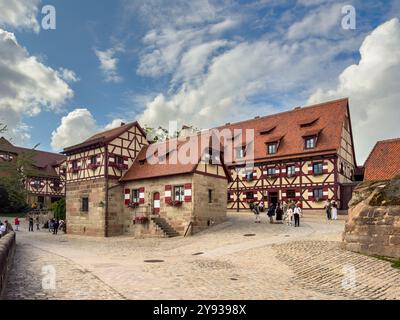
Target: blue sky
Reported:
[(199, 62)]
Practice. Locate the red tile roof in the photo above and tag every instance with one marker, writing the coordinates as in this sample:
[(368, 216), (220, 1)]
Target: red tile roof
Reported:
[(103, 137), (325, 119), (43, 161), (142, 169), (383, 162)]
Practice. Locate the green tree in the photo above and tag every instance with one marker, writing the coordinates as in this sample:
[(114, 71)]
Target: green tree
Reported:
[(59, 209)]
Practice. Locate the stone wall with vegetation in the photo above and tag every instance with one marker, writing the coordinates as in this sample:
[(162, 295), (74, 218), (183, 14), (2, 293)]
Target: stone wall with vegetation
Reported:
[(373, 225), (7, 248)]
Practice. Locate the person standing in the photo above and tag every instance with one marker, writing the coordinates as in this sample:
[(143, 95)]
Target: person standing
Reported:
[(328, 209), (296, 214), (2, 229), (256, 211), (50, 224), (279, 213), (261, 206), (37, 223), (289, 216), (9, 227), (55, 226), (271, 213), (16, 223), (30, 224), (334, 210)]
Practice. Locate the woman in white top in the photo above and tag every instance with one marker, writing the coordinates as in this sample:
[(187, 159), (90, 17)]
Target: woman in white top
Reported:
[(289, 216), (334, 210)]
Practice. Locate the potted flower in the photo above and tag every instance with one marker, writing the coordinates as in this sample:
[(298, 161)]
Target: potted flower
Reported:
[(141, 220), (133, 205), (176, 203)]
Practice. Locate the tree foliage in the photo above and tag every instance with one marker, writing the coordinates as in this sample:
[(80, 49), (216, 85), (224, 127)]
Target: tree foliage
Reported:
[(59, 209), (161, 134)]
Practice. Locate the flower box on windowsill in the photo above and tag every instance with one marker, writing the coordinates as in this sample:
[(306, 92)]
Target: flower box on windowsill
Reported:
[(74, 170), (175, 203), (140, 220), (271, 176), (318, 173), (133, 205), (119, 166), (93, 166), (292, 175)]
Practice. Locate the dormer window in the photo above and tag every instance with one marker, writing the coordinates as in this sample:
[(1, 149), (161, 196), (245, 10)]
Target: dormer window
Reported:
[(272, 148), (74, 164), (310, 142), (141, 162), (93, 160)]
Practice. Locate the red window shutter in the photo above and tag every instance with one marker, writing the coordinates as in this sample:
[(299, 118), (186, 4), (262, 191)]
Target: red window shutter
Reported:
[(326, 193), (168, 193), (141, 195), (127, 196), (188, 192), (325, 167)]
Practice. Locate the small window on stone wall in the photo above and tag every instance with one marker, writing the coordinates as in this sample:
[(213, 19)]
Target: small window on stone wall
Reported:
[(210, 196), (85, 204)]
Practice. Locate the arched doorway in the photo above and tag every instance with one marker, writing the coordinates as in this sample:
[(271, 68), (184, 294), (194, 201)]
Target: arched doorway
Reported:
[(156, 203)]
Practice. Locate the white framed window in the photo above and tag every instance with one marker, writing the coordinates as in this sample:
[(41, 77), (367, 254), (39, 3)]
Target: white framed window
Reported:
[(135, 195), (179, 193), (310, 142)]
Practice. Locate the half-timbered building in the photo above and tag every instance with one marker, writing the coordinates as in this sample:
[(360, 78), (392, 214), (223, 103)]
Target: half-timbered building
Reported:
[(45, 181), (179, 195), (305, 155), (93, 168)]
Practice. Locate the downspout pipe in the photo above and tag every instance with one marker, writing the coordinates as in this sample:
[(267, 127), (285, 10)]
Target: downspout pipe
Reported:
[(106, 233)]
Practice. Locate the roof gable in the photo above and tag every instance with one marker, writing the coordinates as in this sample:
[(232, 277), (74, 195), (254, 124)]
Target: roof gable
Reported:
[(383, 163)]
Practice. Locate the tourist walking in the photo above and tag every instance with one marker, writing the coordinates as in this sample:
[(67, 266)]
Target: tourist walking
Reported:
[(16, 223), (30, 224), (37, 223), (289, 216), (261, 206), (55, 226), (334, 210), (279, 213), (256, 211), (50, 225), (271, 213), (328, 209), (297, 214)]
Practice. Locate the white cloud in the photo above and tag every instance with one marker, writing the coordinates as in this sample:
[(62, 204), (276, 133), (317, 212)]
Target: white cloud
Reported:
[(225, 25), (114, 124), (68, 75), (27, 86), (77, 126), (19, 14), (108, 63), (373, 88), (221, 92), (318, 22)]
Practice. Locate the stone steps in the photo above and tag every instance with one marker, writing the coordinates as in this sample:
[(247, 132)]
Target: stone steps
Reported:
[(165, 227)]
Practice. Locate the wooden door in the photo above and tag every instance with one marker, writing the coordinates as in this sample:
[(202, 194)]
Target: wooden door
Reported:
[(156, 203)]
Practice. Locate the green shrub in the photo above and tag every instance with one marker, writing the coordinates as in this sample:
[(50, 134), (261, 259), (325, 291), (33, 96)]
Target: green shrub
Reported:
[(58, 209)]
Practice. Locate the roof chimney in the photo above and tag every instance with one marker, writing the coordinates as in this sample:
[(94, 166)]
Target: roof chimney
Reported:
[(227, 124), (122, 124), (297, 108), (257, 117)]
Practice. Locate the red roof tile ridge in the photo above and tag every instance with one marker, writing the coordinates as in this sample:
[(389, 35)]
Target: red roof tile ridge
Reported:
[(287, 111)]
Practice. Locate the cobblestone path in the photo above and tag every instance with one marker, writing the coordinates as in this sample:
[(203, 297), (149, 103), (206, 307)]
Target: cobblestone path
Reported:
[(72, 281), (324, 267), (278, 262)]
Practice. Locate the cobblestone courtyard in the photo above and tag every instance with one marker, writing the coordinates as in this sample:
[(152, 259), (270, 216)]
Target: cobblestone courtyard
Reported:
[(236, 260)]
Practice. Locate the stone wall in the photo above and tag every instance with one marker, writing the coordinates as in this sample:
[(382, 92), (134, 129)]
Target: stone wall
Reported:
[(91, 223), (373, 225), (201, 213), (207, 214), (7, 249)]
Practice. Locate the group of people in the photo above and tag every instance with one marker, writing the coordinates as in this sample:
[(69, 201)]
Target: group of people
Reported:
[(5, 228), (285, 212), (331, 209), (31, 222), (55, 225)]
